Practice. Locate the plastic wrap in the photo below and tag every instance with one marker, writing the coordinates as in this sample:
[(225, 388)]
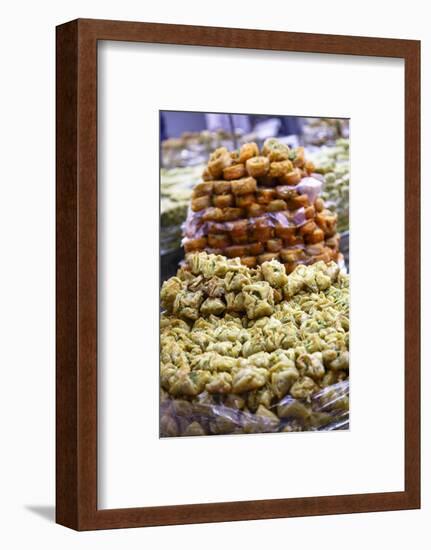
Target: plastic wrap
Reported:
[(326, 410)]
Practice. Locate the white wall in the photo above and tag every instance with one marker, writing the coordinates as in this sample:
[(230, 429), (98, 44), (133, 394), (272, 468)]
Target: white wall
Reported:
[(27, 274)]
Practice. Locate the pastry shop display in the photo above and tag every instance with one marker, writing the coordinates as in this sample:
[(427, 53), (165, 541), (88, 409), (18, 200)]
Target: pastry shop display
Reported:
[(262, 204), (176, 187), (248, 348), (334, 166)]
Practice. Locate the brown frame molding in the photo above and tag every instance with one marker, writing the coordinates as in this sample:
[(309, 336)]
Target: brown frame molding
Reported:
[(76, 373)]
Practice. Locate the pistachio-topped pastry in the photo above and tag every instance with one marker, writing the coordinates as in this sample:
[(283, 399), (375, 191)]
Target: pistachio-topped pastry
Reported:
[(253, 336)]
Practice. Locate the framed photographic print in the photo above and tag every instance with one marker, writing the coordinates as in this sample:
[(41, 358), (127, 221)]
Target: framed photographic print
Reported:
[(230, 203)]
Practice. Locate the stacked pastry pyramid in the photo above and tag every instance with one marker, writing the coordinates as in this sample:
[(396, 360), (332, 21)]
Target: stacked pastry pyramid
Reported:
[(260, 206)]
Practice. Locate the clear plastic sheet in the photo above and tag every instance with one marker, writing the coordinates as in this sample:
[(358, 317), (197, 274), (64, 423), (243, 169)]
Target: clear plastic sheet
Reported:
[(327, 410)]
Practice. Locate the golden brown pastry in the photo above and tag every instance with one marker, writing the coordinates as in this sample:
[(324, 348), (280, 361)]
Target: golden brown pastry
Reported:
[(244, 186), (235, 251), (281, 168), (221, 187), (292, 178), (247, 151), (319, 205), (249, 261), (218, 241), (285, 232), (300, 201), (223, 201), (193, 245), (292, 254), (276, 205), (310, 212), (255, 210), (299, 155), (200, 203), (234, 172), (254, 249), (267, 257), (274, 150), (315, 237), (274, 245), (257, 167), (239, 231), (203, 188), (230, 214), (219, 160), (307, 228), (265, 196), (212, 214), (243, 201)]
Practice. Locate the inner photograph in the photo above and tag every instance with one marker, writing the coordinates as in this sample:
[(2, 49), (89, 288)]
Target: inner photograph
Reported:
[(254, 273)]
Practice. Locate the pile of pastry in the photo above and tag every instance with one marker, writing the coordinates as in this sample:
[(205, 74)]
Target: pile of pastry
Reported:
[(261, 206), (252, 340)]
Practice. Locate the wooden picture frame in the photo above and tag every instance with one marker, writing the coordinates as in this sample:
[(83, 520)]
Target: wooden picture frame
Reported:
[(76, 374)]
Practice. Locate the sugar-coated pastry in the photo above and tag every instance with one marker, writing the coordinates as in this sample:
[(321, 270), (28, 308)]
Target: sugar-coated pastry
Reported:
[(299, 157), (203, 188), (291, 178), (262, 234), (217, 228), (254, 249), (206, 175), (234, 172), (236, 250), (243, 201), (274, 245), (292, 254), (309, 167), (244, 186), (310, 212), (327, 221), (285, 232), (219, 160), (277, 169), (315, 237), (307, 228), (247, 151), (255, 210), (249, 261), (218, 241), (213, 214), (194, 245), (276, 205), (319, 205), (265, 195), (326, 256), (267, 257), (257, 166), (286, 192), (293, 240), (200, 203), (274, 150), (230, 214), (222, 201), (300, 201), (315, 249), (333, 242), (238, 231), (222, 187)]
